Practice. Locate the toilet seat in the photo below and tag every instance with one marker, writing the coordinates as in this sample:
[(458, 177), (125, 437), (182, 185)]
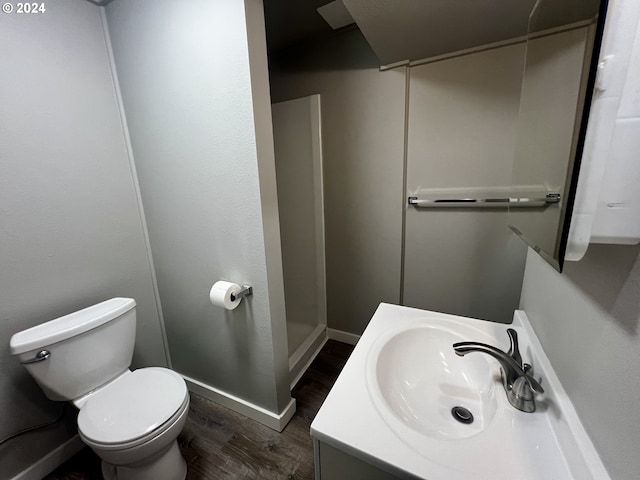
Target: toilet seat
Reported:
[(133, 409)]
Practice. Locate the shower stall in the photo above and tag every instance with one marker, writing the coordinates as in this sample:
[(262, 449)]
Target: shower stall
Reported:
[(298, 154)]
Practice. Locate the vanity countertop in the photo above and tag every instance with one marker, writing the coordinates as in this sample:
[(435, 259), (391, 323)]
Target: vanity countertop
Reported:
[(548, 444)]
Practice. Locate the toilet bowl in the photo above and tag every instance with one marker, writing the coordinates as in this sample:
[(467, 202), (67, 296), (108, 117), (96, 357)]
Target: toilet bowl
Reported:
[(133, 423), (130, 419)]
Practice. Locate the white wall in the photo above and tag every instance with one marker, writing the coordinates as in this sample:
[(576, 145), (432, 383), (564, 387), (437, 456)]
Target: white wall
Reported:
[(363, 145), (194, 82), (71, 232), (588, 320)]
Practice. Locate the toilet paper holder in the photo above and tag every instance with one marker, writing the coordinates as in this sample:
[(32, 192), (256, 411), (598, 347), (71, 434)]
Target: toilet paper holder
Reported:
[(245, 290)]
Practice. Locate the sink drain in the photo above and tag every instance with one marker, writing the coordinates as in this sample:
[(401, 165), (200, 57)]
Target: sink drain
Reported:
[(462, 415)]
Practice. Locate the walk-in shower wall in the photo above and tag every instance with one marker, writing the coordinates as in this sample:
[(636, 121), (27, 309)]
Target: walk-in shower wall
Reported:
[(298, 149), (207, 177)]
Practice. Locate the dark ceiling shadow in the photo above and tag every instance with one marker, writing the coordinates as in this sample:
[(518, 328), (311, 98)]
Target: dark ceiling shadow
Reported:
[(610, 276), (344, 49)]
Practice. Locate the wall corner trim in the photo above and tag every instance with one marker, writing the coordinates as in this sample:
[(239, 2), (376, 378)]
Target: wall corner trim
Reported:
[(272, 420), (135, 182)]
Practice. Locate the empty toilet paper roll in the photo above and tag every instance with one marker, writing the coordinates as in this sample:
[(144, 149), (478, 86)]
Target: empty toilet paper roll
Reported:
[(223, 294)]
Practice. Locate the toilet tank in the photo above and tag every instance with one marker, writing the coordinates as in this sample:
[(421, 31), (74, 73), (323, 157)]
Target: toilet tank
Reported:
[(87, 348)]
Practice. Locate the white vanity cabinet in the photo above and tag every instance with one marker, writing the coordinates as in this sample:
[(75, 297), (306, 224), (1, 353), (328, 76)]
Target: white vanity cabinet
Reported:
[(334, 464)]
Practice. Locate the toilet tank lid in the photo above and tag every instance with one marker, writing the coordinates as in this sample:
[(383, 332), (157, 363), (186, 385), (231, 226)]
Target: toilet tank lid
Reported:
[(75, 323)]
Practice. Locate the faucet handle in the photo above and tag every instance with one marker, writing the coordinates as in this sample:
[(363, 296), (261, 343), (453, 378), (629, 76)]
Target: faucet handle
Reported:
[(514, 351), (524, 384), (521, 394)]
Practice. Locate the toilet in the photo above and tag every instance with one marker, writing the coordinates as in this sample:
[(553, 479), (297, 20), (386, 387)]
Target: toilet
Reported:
[(131, 419)]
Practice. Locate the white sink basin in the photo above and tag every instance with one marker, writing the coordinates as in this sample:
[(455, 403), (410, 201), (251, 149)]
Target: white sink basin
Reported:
[(391, 405), (416, 378)]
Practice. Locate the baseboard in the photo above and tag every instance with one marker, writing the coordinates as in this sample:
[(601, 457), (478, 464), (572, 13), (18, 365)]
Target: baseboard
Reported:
[(52, 460), (344, 337), (248, 409)]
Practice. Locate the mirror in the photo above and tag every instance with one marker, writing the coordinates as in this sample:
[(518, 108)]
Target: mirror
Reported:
[(563, 43)]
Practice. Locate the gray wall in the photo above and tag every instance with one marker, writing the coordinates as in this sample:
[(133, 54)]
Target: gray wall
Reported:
[(461, 127), (363, 144), (588, 320), (71, 232), (194, 84), (461, 124)]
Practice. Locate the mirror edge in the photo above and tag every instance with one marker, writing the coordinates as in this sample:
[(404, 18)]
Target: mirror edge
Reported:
[(556, 258), (571, 185)]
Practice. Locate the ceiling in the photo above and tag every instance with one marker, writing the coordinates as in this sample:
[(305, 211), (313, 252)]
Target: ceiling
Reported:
[(292, 22), (401, 30)]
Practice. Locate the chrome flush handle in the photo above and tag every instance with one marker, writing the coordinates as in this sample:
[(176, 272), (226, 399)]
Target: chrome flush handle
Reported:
[(41, 356)]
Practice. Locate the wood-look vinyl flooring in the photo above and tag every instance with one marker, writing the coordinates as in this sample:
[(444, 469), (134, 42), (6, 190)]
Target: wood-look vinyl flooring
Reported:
[(220, 444)]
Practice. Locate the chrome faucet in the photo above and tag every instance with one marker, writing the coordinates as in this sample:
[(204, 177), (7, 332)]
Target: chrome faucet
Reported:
[(519, 385)]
